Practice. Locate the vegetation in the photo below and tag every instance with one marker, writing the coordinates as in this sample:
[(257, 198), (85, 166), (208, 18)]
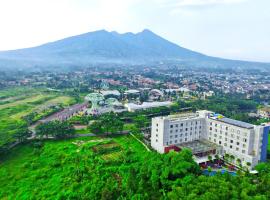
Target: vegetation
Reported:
[(23, 106), (107, 123), (55, 129), (117, 168)]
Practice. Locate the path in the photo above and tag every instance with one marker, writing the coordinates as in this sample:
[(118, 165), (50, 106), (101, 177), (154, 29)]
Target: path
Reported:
[(140, 142)]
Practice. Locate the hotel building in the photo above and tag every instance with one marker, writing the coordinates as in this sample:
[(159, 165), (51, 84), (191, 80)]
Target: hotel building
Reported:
[(207, 133)]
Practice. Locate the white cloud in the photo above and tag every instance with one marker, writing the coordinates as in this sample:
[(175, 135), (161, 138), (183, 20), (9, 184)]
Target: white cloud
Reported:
[(195, 3)]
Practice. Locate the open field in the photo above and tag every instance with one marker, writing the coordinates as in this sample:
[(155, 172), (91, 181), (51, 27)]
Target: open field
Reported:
[(13, 110), (50, 171)]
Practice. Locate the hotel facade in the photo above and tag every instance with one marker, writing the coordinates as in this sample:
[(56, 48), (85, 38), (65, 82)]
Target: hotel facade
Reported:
[(207, 133)]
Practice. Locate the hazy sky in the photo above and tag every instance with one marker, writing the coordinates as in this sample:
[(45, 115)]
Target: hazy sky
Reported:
[(238, 29)]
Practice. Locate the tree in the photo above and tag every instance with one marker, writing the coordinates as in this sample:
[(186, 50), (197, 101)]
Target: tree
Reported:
[(141, 121), (56, 129), (22, 134), (210, 158), (232, 158), (107, 123), (238, 161)]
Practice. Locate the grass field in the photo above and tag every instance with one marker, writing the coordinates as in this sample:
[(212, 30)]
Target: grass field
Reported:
[(48, 171), (21, 101)]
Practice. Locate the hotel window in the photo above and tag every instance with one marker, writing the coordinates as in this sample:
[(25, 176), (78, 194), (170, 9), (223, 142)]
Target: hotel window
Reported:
[(167, 143), (237, 143), (237, 149), (215, 130), (175, 141), (176, 130), (219, 142), (190, 128), (231, 146), (211, 123), (181, 135), (185, 134), (157, 130), (226, 133), (181, 130), (225, 144), (170, 131), (231, 141), (244, 145), (170, 142), (226, 139), (182, 124), (190, 133), (243, 151), (176, 136), (220, 137), (156, 140), (171, 126), (196, 122), (210, 128), (176, 125), (171, 136), (215, 125), (238, 137), (186, 129), (245, 140), (185, 139), (157, 124), (226, 128), (156, 135)]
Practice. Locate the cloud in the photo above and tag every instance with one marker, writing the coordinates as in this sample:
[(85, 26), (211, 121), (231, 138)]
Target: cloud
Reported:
[(187, 7), (197, 3)]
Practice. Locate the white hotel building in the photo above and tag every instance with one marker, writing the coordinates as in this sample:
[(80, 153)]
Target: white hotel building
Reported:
[(207, 133)]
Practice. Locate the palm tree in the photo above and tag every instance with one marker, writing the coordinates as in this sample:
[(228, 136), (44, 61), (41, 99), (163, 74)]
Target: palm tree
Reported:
[(226, 157), (248, 164), (232, 158), (210, 158), (238, 161)]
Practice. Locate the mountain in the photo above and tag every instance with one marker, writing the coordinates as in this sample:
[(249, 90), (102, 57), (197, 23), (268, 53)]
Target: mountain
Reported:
[(111, 47)]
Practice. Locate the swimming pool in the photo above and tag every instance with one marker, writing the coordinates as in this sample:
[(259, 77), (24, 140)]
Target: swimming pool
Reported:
[(214, 172)]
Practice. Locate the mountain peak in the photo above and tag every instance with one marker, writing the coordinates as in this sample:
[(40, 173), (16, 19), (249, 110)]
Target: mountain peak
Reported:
[(147, 31)]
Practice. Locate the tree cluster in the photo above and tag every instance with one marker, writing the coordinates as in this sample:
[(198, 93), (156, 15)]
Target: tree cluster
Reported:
[(56, 129)]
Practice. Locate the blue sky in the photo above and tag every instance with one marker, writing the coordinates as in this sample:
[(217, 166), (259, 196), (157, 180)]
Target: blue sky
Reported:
[(236, 29)]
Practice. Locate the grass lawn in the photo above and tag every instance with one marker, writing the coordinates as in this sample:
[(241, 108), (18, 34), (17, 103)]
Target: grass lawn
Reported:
[(50, 171), (82, 131), (22, 101)]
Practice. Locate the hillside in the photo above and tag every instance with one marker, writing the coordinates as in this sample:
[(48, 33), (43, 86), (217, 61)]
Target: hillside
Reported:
[(111, 47)]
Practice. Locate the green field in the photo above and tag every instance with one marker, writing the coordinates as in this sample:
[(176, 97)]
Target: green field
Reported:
[(50, 171), (19, 102)]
